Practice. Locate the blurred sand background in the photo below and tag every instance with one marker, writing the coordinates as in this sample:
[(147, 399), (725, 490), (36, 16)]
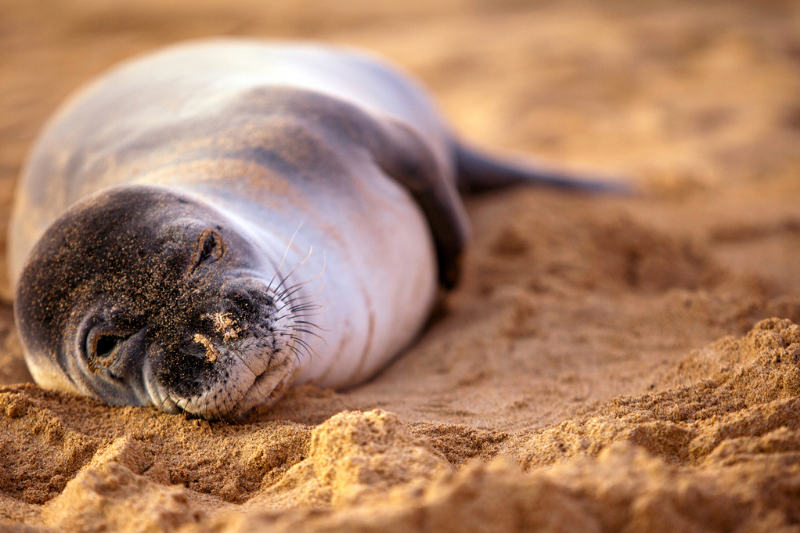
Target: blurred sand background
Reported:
[(609, 364)]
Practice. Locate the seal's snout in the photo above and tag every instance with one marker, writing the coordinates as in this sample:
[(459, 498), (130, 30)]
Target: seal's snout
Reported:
[(228, 345), (248, 303), (183, 367), (243, 301)]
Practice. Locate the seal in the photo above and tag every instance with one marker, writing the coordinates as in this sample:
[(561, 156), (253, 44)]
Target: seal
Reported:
[(203, 226)]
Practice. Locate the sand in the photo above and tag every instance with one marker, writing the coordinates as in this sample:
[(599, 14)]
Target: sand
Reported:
[(608, 364)]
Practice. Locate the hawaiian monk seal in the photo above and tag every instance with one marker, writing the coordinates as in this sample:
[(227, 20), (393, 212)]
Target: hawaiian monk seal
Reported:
[(204, 225)]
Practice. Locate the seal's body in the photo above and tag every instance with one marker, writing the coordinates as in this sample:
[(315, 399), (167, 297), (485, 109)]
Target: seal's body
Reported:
[(207, 224)]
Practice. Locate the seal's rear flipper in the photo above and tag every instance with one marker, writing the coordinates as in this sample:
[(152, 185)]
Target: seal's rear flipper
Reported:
[(478, 172)]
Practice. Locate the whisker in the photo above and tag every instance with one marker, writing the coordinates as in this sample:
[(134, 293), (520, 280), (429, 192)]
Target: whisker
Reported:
[(289, 275), (303, 343), (285, 253), (307, 323), (304, 313), (288, 292), (311, 333), (301, 307), (310, 315)]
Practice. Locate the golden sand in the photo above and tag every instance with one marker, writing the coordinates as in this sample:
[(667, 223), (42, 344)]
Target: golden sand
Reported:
[(608, 364)]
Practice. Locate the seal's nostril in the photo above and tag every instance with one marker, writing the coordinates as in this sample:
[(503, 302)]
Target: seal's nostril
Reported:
[(211, 353), (210, 247), (192, 349), (242, 301)]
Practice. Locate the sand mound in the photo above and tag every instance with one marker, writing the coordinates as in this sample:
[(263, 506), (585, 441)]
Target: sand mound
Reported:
[(352, 456), (746, 388), (623, 489), (717, 454)]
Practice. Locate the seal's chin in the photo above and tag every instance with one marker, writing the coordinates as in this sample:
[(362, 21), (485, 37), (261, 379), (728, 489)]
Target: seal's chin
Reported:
[(244, 374), (241, 355), (233, 391)]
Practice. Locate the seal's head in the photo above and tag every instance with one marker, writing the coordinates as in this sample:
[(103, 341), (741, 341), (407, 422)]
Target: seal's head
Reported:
[(140, 296)]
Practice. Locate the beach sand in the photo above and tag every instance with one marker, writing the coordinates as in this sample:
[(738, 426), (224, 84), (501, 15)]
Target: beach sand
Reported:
[(608, 364)]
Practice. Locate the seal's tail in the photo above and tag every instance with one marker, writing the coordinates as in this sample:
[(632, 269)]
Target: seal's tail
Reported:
[(478, 172)]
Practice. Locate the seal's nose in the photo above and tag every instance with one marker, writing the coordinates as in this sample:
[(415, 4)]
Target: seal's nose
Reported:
[(242, 300), (183, 364), (246, 300)]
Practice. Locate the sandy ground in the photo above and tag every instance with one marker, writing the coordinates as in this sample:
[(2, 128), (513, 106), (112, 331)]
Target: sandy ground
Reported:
[(608, 363)]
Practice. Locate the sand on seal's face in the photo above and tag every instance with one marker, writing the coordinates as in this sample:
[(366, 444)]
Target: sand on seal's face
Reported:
[(608, 364)]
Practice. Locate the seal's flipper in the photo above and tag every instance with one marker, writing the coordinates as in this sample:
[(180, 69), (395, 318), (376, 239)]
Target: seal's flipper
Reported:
[(478, 172), (405, 157)]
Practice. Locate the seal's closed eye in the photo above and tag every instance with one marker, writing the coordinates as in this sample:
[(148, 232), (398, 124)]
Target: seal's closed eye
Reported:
[(106, 345), (210, 247), (101, 345)]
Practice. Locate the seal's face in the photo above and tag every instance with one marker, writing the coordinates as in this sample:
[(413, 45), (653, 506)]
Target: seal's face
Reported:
[(140, 296)]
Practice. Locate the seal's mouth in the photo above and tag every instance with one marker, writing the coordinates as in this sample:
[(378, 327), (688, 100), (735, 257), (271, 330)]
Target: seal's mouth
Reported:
[(236, 366), (241, 357), (241, 377), (226, 395), (267, 389)]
